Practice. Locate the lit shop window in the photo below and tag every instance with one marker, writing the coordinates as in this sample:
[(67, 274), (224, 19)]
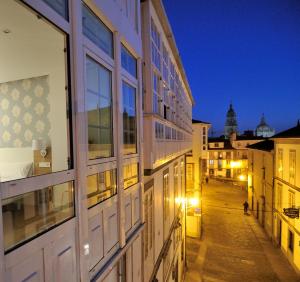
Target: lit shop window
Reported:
[(101, 186), (33, 213), (60, 6), (129, 119), (95, 30), (34, 111), (130, 173), (99, 110), (128, 61)]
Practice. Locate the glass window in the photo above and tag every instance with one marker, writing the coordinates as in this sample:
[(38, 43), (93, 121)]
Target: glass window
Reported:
[(95, 30), (279, 197), (129, 119), (166, 204), (130, 174), (33, 213), (155, 45), (280, 163), (34, 122), (60, 6), (101, 186), (292, 164), (99, 110), (129, 62)]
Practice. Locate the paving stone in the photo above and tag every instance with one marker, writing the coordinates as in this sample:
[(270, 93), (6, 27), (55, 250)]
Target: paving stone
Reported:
[(233, 246)]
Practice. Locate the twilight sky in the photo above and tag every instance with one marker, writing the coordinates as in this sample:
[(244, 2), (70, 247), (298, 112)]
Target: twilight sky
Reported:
[(244, 51)]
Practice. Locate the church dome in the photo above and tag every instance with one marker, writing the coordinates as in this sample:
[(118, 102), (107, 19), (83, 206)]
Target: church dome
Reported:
[(263, 129)]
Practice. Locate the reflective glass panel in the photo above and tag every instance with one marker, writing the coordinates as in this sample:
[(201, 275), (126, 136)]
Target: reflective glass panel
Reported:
[(101, 186), (30, 214), (95, 30), (99, 110), (129, 119), (34, 120), (130, 173), (60, 6)]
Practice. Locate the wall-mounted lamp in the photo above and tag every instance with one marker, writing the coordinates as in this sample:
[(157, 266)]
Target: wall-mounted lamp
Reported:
[(39, 145)]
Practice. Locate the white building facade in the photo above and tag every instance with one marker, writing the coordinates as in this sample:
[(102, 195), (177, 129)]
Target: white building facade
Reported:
[(167, 138), (70, 152)]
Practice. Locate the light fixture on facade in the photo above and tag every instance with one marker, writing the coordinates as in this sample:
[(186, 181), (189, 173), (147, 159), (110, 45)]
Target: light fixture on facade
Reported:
[(6, 31)]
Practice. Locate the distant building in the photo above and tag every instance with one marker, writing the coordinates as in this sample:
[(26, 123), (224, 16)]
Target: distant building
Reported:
[(260, 182), (196, 171), (231, 122), (228, 158), (263, 129), (287, 192)]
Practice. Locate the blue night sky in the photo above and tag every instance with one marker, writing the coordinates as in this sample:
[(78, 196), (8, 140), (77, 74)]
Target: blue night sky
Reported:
[(244, 51)]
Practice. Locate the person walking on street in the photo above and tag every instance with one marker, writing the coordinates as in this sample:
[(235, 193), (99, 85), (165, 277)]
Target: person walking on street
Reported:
[(206, 180), (246, 205)]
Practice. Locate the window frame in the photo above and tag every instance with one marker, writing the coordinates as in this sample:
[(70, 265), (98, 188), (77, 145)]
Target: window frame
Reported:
[(85, 38), (135, 87), (88, 53), (123, 46), (25, 185)]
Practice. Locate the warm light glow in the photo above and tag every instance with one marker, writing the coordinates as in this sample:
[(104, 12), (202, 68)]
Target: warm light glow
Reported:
[(242, 177), (234, 164), (191, 202), (194, 202)]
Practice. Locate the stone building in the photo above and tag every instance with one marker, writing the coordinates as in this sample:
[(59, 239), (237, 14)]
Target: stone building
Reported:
[(260, 183), (231, 125), (263, 129)]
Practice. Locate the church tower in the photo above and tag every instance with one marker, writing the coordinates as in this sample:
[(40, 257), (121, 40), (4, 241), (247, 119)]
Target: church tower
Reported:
[(231, 122)]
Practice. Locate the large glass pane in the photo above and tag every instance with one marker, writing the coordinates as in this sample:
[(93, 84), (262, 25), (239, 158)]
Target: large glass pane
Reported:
[(34, 124), (129, 62), (60, 6), (101, 186), (30, 214), (129, 119), (98, 107), (95, 30), (130, 174)]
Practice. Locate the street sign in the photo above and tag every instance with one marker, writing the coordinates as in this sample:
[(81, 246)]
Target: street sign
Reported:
[(291, 212)]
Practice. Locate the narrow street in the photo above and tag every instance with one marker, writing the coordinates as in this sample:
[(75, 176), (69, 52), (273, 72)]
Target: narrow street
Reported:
[(233, 246)]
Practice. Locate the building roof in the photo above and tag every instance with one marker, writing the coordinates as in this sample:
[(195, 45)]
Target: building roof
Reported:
[(216, 139), (199, 121), (266, 145), (241, 138), (293, 132), (227, 144)]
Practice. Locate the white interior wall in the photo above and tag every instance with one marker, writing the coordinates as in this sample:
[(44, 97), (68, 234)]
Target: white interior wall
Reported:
[(34, 48)]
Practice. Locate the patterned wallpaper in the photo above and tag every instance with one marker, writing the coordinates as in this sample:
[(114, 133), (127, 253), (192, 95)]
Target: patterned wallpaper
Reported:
[(24, 112)]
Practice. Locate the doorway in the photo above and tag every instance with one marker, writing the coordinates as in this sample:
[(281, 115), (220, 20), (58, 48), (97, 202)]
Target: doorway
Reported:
[(279, 230)]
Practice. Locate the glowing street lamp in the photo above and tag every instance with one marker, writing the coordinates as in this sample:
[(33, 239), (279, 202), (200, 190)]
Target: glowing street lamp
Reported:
[(242, 177)]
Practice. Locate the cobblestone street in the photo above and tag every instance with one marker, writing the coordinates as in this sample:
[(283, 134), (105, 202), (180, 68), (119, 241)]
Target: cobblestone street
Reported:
[(233, 246)]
